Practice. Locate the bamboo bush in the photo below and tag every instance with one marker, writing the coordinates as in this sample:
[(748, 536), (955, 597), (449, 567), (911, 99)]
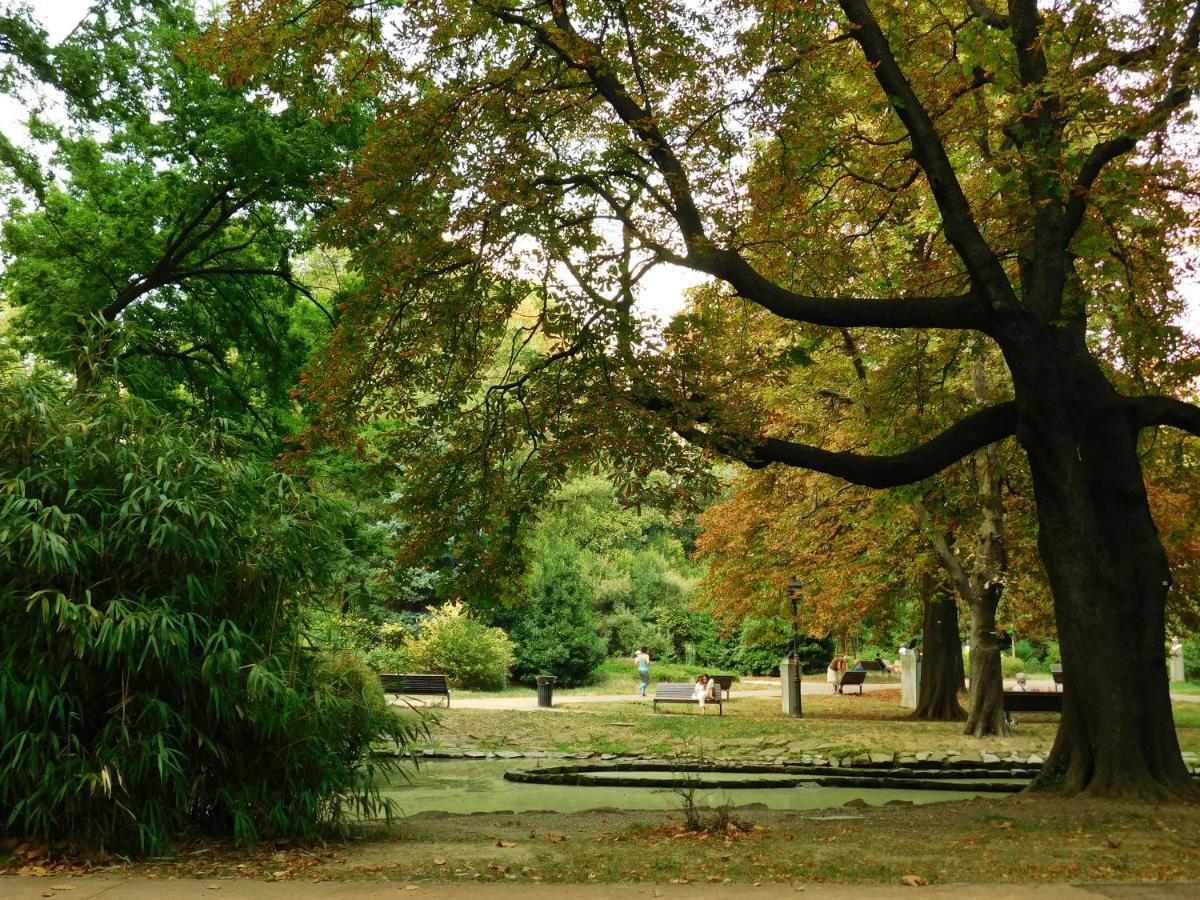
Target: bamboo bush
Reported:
[(154, 674)]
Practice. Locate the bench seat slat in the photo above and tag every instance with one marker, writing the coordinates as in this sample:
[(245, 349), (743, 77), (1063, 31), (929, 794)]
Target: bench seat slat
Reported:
[(681, 692), (415, 685)]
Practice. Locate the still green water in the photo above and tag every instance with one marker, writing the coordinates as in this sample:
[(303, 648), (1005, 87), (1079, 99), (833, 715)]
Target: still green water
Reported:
[(457, 786)]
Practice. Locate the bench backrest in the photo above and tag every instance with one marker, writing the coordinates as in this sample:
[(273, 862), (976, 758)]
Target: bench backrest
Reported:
[(1033, 701), (872, 666), (674, 690), (414, 684), (854, 678)]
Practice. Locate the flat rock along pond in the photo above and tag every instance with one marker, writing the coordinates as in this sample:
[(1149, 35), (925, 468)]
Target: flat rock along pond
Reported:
[(479, 786)]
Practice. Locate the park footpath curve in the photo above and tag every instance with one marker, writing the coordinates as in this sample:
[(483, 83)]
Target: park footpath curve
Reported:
[(765, 689), (91, 888)]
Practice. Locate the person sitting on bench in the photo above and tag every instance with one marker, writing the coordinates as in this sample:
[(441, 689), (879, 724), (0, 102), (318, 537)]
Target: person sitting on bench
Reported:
[(703, 691)]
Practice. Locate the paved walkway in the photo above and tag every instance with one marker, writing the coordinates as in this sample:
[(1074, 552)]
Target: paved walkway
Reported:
[(16, 888), (762, 688)]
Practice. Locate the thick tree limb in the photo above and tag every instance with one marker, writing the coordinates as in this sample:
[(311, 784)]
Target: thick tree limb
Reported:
[(958, 441), (1148, 411), (955, 312), (987, 274), (988, 15), (978, 430), (966, 311)]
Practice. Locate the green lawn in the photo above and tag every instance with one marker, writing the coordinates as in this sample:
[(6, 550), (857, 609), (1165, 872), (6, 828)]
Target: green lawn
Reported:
[(619, 676), (751, 726)]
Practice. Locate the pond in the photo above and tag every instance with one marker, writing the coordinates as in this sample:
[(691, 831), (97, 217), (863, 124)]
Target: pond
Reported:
[(478, 786)]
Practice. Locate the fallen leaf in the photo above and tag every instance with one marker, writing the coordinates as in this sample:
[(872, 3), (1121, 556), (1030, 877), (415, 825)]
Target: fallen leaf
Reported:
[(502, 843), (913, 880), (439, 860), (556, 838)]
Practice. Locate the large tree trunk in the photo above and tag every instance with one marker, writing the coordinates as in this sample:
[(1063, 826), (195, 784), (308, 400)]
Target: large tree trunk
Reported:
[(1108, 573), (987, 683), (941, 663)]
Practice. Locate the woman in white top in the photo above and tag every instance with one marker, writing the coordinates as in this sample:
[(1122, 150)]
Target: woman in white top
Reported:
[(703, 691)]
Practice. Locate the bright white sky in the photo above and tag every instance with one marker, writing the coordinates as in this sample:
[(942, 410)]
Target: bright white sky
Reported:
[(662, 289)]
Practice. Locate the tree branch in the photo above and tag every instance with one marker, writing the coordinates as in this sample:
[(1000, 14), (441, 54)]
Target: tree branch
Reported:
[(959, 440), (987, 274), (964, 311), (1149, 411), (957, 312), (988, 15), (964, 437)]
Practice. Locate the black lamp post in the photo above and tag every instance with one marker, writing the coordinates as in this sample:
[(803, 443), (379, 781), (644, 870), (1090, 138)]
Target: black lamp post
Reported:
[(797, 710)]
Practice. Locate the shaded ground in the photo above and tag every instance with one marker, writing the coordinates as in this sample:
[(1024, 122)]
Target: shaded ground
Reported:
[(1001, 839), (1005, 840), (148, 889)]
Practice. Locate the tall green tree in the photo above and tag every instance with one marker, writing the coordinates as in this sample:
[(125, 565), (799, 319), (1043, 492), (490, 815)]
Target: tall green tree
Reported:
[(552, 624), (165, 244), (583, 144)]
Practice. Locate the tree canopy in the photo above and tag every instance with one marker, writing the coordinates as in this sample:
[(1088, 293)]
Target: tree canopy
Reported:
[(1007, 174)]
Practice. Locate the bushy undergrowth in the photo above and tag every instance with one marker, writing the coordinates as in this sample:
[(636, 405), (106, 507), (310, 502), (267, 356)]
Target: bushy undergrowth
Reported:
[(456, 644), (154, 678)]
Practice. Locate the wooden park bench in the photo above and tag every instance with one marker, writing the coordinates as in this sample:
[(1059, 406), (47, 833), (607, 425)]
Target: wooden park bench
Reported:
[(1032, 701), (725, 682), (1056, 674), (416, 685), (871, 665), (681, 692), (849, 679)]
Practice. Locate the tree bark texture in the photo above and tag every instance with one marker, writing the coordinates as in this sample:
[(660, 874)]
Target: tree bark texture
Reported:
[(1108, 573), (941, 663), (987, 682)]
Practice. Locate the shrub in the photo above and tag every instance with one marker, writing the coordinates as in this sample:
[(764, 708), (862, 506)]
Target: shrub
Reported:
[(554, 630), (1009, 666), (387, 659), (1191, 659), (154, 675), (765, 642), (623, 631), (459, 646)]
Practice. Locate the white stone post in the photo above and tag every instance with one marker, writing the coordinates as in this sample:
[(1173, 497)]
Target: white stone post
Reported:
[(910, 679)]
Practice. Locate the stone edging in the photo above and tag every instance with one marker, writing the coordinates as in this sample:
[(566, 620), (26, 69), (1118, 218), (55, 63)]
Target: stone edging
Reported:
[(924, 759)]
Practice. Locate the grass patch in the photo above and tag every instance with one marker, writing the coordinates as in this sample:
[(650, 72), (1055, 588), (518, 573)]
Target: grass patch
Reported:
[(619, 676), (751, 726), (1015, 839)]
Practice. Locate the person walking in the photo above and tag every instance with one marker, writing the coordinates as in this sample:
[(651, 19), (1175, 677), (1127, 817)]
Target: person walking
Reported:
[(642, 658)]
